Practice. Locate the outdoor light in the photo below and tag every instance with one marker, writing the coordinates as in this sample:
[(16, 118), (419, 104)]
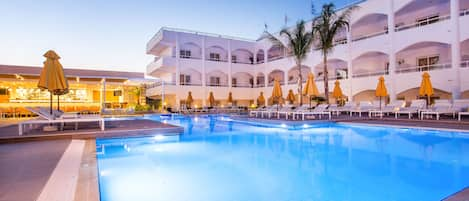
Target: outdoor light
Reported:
[(283, 125), (305, 126), (159, 137)]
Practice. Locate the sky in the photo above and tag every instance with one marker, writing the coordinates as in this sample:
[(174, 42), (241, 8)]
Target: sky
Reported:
[(112, 34)]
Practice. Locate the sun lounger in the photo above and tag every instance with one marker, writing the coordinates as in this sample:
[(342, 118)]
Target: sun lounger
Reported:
[(460, 114), (346, 108), (387, 109), (438, 109), (318, 110), (363, 107), (57, 118), (414, 108), (286, 111)]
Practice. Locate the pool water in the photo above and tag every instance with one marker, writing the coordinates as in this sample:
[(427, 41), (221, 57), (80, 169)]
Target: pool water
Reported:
[(218, 159)]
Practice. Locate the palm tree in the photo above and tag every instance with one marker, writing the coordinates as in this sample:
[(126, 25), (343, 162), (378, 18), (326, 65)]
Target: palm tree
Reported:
[(137, 92), (326, 27), (298, 42)]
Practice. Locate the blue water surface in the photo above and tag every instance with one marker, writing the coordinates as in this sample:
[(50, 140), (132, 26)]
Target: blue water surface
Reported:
[(217, 159)]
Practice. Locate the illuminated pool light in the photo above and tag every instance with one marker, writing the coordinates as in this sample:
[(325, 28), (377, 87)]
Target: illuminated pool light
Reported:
[(159, 137), (283, 125), (305, 125)]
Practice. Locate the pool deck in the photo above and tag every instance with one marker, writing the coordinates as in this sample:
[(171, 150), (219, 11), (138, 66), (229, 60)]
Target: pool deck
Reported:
[(114, 128)]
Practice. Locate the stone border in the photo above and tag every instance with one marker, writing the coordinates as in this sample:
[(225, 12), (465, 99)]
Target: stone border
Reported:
[(88, 183)]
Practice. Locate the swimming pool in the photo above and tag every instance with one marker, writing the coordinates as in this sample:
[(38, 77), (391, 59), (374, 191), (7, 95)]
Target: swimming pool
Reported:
[(219, 159)]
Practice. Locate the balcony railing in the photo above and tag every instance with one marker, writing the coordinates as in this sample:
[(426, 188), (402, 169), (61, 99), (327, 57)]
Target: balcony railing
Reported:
[(423, 68), (242, 62), (217, 60), (217, 84), (190, 84), (340, 41), (370, 35), (272, 83), (191, 57), (160, 83), (321, 78), (275, 58), (465, 64), (430, 20), (243, 85), (370, 74)]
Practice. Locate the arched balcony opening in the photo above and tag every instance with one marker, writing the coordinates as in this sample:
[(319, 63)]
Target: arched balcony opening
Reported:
[(190, 76), (370, 64), (242, 56), (341, 37), (369, 26), (260, 56), (366, 95), (242, 79), (294, 74), (423, 56), (465, 54), (421, 13), (413, 94), (275, 52), (276, 75), (216, 53), (260, 79), (337, 69), (217, 79), (190, 51)]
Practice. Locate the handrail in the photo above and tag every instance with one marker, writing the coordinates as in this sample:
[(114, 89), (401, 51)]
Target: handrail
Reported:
[(370, 74), (340, 41), (321, 78), (423, 68), (422, 23), (269, 59), (370, 35)]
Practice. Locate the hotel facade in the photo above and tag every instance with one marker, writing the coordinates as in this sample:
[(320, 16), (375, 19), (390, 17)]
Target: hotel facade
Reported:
[(426, 35)]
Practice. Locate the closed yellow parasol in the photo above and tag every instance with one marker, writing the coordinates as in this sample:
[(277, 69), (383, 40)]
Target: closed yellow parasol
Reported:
[(426, 88), (310, 89), (291, 97), (211, 99), (261, 99), (189, 99), (381, 90), (277, 94), (52, 77), (230, 97), (337, 93)]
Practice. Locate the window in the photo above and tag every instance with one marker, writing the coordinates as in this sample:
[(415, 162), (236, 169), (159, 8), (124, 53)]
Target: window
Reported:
[(386, 68), (427, 63), (185, 54), (214, 57), (234, 82), (233, 59), (428, 20), (3, 91), (185, 79), (214, 81)]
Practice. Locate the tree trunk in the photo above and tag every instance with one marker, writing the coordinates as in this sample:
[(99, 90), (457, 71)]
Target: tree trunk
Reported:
[(326, 79), (300, 87)]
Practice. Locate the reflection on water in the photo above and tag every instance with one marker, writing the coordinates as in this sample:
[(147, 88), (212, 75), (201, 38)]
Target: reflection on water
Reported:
[(218, 159)]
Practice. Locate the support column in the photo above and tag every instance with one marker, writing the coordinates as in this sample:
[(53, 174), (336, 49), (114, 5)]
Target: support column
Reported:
[(230, 65), (178, 70), (103, 95), (349, 64), (266, 78), (392, 53), (455, 50), (204, 74)]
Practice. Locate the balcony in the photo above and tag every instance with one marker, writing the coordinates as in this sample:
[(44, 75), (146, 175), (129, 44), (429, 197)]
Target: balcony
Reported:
[(465, 64), (422, 22), (370, 74), (161, 64), (431, 67)]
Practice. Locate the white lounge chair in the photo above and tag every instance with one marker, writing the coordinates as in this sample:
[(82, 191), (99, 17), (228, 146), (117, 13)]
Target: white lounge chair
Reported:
[(285, 110), (438, 109), (349, 106), (57, 118), (414, 108), (363, 107), (318, 110), (387, 109)]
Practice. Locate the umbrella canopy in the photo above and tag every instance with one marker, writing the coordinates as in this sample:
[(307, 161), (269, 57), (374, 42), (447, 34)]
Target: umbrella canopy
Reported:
[(211, 99), (291, 97), (189, 99), (261, 99), (310, 89), (426, 88), (337, 93), (230, 97), (52, 76), (277, 91), (381, 90)]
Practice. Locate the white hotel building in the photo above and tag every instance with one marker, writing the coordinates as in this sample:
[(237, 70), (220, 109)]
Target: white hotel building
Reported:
[(426, 35)]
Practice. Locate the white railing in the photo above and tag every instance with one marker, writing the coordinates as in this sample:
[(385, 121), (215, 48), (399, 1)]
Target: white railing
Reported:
[(370, 74), (423, 68), (425, 22), (370, 35), (331, 78), (243, 85), (206, 34), (340, 41), (160, 83), (274, 58), (216, 84), (465, 64), (191, 57)]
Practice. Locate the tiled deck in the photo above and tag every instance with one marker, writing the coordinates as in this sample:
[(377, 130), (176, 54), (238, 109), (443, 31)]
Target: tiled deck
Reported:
[(114, 128), (26, 167)]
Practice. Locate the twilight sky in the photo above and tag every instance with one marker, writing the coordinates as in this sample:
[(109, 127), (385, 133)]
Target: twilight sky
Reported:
[(112, 34)]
